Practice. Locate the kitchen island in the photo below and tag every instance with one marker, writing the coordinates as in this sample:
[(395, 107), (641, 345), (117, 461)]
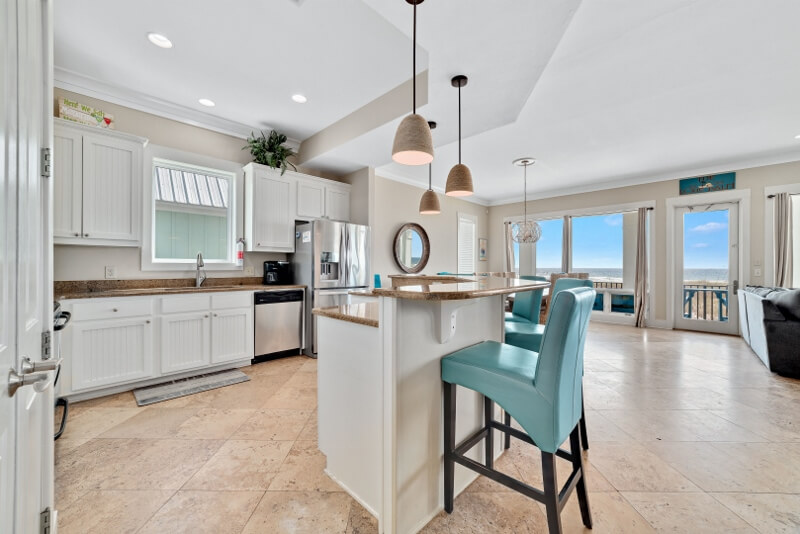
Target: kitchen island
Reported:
[(380, 400)]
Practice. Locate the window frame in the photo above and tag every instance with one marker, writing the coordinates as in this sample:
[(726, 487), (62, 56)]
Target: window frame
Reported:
[(188, 161)]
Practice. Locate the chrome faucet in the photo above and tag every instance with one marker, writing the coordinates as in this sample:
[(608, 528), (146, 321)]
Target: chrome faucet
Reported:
[(200, 278)]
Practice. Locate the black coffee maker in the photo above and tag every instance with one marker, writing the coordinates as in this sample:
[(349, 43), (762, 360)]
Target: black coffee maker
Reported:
[(277, 273)]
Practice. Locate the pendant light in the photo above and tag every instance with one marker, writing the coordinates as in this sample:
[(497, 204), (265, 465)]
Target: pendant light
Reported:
[(413, 144), (459, 180), (429, 203), (526, 231)]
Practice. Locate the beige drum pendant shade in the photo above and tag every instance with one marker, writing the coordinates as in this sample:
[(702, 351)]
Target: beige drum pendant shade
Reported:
[(413, 144), (429, 203), (459, 181)]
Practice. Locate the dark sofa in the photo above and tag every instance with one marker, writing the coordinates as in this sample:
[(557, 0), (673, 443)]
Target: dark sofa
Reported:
[(770, 324)]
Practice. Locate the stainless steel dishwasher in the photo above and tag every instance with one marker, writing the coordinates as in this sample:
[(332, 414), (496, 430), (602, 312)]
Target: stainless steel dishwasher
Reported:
[(279, 321)]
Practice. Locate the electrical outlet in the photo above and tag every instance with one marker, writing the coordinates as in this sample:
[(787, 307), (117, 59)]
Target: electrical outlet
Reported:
[(249, 271), (757, 272), (111, 272)]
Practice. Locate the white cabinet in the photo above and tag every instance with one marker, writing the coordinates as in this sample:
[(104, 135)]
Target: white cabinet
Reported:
[(273, 202), (185, 341), (109, 352), (97, 177), (269, 210), (232, 335), (310, 199), (337, 202)]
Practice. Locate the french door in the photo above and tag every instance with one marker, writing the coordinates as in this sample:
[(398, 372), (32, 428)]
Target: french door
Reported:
[(707, 268)]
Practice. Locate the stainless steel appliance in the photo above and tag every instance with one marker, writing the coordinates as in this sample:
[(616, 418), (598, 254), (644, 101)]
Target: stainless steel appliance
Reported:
[(330, 258), (277, 273), (278, 321)]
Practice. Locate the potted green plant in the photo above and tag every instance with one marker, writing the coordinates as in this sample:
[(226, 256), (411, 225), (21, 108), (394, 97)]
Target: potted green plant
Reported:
[(270, 150)]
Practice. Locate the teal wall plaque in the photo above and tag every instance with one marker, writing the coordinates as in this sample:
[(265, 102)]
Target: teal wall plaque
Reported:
[(707, 184)]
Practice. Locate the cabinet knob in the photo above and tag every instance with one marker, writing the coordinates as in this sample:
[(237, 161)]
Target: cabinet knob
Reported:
[(115, 310), (147, 321), (206, 316), (259, 244), (77, 234), (216, 315), (85, 235)]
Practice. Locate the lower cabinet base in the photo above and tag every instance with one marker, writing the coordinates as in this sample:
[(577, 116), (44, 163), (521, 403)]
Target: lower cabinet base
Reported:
[(112, 390)]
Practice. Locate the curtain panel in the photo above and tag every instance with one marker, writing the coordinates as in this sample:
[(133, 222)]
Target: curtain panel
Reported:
[(783, 240), (640, 285)]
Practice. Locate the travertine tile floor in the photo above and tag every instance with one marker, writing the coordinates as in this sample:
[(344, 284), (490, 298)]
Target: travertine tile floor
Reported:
[(688, 433)]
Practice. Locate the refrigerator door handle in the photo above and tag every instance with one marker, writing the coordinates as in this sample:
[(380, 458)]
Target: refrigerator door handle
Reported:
[(345, 257)]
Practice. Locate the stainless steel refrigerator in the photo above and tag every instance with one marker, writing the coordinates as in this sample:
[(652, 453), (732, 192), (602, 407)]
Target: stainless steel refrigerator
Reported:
[(331, 259)]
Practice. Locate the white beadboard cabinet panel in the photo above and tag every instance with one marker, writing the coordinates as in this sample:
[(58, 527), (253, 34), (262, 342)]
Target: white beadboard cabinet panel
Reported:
[(337, 203), (110, 352), (185, 341), (270, 214), (112, 170), (232, 335), (67, 183), (310, 199)]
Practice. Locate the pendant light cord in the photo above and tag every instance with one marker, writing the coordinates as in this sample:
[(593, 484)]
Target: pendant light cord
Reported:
[(525, 193), (459, 123), (414, 62), (430, 172)]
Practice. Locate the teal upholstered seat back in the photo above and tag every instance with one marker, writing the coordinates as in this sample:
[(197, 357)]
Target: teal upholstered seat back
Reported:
[(567, 283), (528, 303), (560, 364)]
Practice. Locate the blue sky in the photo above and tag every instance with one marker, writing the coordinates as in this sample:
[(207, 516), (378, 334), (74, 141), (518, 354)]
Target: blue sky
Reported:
[(705, 241)]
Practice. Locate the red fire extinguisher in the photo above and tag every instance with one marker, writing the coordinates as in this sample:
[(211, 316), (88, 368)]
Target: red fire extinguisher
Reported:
[(240, 252)]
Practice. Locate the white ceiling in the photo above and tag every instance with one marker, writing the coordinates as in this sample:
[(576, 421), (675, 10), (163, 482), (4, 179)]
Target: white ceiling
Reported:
[(248, 56), (601, 93)]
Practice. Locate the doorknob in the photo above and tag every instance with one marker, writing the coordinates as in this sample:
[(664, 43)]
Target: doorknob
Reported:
[(16, 381), (735, 287), (29, 367)]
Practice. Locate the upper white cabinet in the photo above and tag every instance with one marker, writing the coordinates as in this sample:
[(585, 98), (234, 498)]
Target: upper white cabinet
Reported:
[(97, 178), (273, 202)]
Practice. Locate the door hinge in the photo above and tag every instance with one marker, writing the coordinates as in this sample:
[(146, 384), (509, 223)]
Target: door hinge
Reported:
[(44, 521), (46, 345), (45, 163)]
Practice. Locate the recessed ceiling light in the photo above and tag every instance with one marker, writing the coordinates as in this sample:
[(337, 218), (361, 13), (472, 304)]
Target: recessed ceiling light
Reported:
[(300, 99), (206, 102), (797, 136), (159, 40)]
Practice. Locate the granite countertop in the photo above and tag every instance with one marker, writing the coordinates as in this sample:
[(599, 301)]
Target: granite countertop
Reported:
[(363, 313), (465, 287), (86, 289), (362, 293)]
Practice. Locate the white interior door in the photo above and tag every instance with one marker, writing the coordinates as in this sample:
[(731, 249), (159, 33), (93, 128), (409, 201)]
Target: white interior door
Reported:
[(707, 268), (8, 227)]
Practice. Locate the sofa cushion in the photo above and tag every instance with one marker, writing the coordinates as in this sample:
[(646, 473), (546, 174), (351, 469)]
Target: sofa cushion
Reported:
[(788, 302), (762, 291)]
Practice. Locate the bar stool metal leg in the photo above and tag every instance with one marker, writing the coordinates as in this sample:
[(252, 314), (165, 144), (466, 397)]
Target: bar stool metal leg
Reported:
[(577, 463), (551, 492), (582, 424), (449, 444), (508, 436), (488, 417)]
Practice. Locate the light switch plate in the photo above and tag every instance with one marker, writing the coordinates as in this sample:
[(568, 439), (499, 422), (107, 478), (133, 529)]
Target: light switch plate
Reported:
[(111, 272), (249, 271), (757, 271)]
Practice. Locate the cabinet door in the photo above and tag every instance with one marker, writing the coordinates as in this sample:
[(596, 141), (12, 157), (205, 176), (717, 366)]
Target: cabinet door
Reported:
[(110, 352), (232, 335), (273, 213), (185, 341), (67, 183), (112, 174), (337, 203), (310, 199)]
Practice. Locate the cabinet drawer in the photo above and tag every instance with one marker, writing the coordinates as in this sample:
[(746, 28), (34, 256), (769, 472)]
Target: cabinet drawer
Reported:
[(111, 308), (234, 299), (185, 303)]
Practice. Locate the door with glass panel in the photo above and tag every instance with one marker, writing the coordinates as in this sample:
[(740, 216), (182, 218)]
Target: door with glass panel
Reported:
[(707, 268)]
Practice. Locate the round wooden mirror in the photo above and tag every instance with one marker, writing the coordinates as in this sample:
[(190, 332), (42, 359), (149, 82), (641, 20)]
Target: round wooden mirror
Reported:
[(411, 248)]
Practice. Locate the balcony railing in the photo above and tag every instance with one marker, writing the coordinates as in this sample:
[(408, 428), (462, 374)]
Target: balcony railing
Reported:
[(705, 301)]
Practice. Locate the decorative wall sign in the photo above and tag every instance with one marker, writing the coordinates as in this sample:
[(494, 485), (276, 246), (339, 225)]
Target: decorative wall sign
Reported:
[(83, 114), (483, 244), (707, 184)]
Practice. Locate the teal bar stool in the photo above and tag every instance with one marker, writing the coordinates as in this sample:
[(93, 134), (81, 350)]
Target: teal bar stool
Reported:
[(529, 336), (527, 304), (541, 391)]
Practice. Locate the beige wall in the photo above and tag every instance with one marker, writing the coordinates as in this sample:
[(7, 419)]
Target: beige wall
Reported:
[(754, 179), (88, 262), (396, 204)]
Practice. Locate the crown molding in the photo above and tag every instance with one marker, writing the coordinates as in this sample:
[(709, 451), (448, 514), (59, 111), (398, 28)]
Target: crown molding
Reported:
[(408, 181), (762, 160), (85, 85)]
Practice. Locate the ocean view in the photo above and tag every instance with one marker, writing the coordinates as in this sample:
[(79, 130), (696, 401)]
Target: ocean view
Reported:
[(615, 275)]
